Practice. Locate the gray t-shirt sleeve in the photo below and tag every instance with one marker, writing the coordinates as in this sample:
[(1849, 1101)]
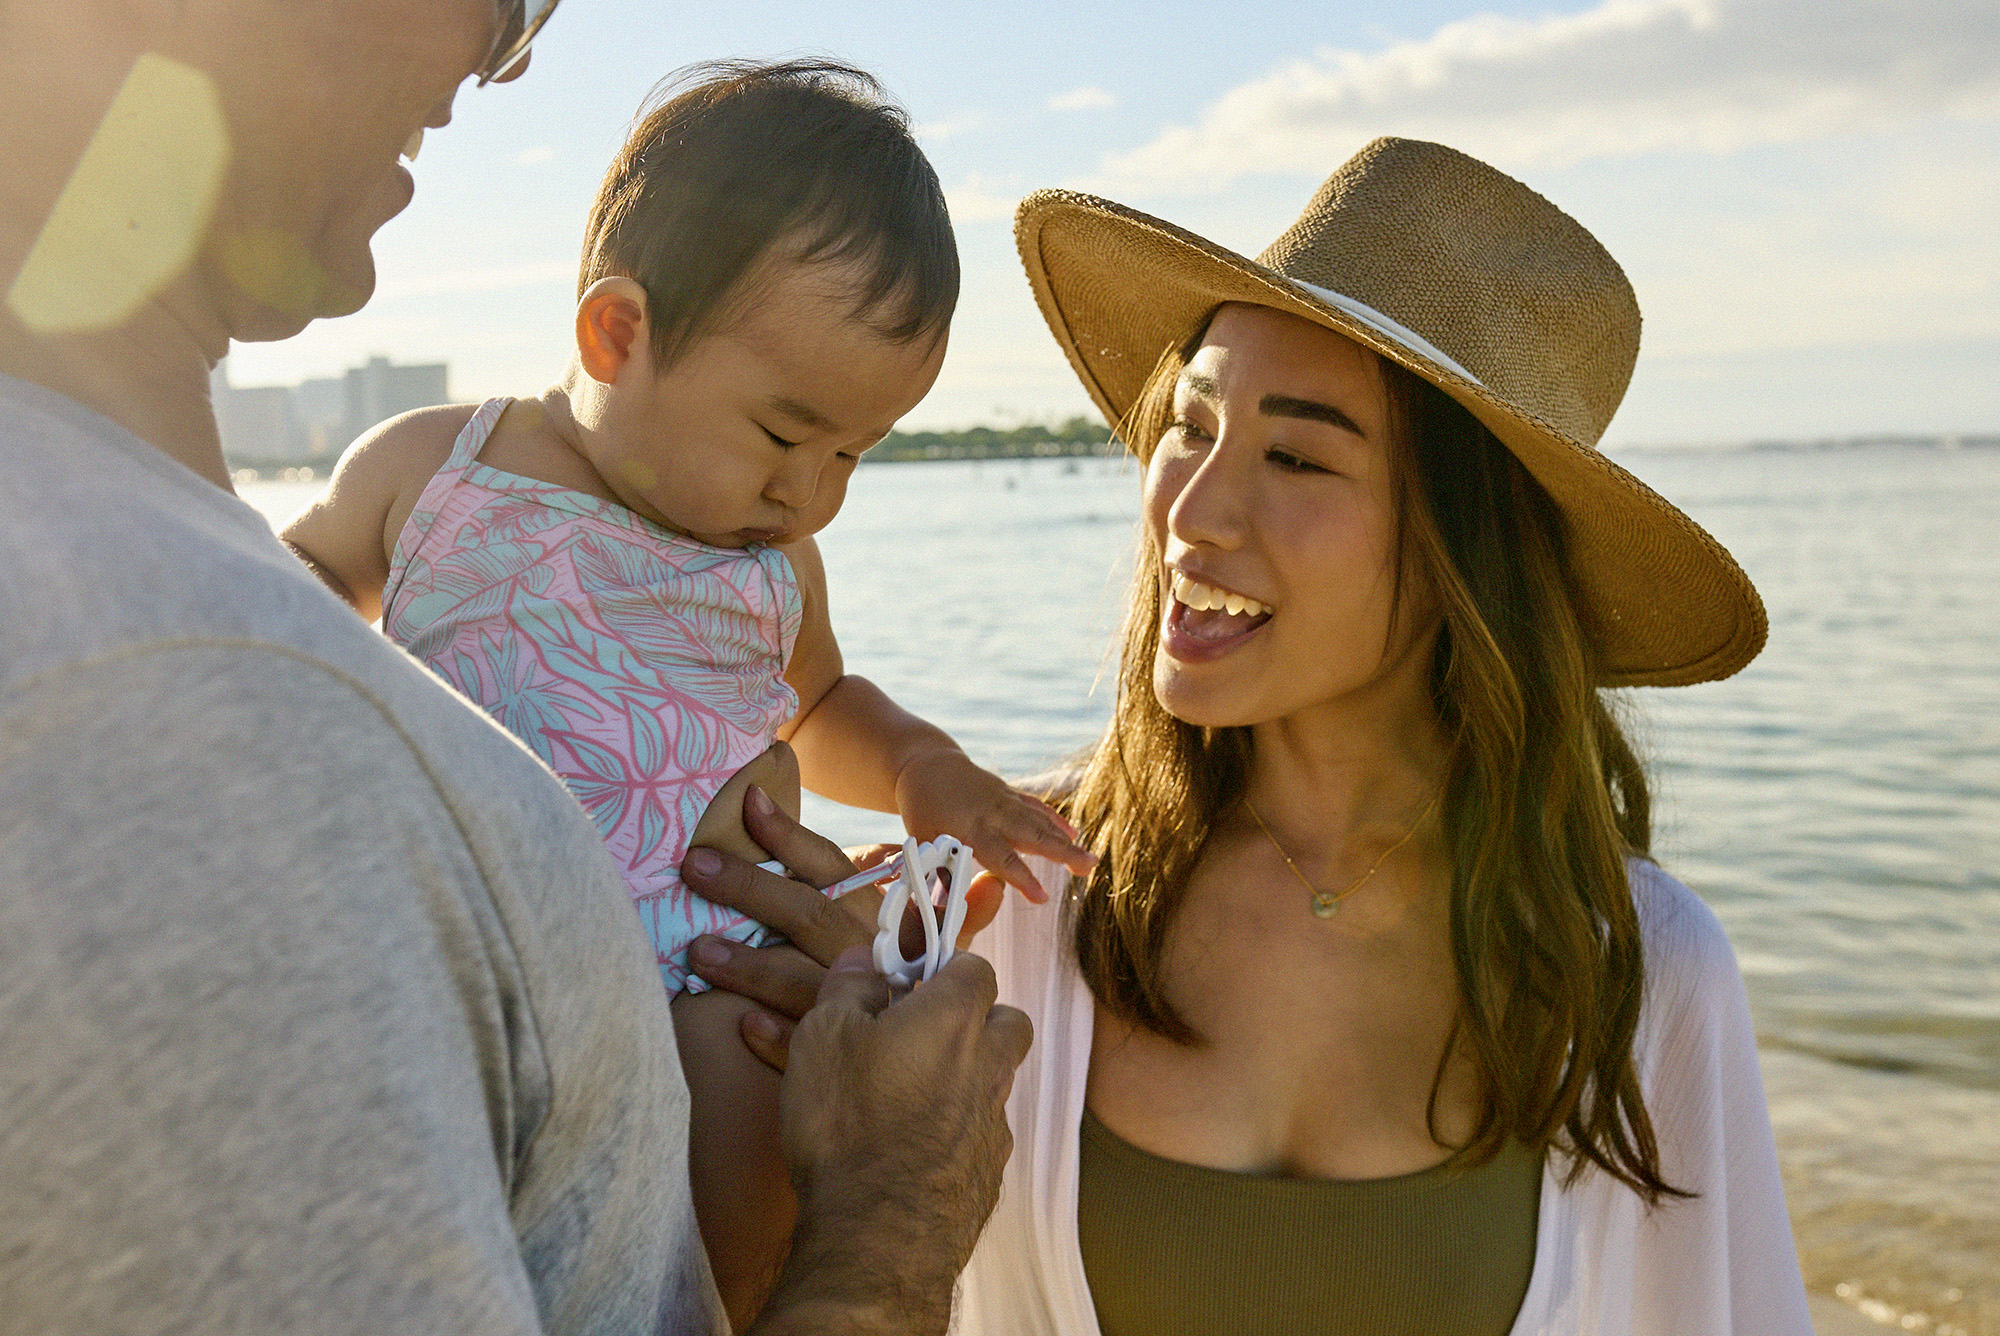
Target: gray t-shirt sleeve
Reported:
[(263, 1061)]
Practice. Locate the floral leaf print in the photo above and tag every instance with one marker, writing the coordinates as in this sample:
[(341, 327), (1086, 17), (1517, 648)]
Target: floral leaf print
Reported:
[(655, 830), (469, 585), (594, 773), (511, 523), (526, 705), (573, 649), (643, 667), (649, 741), (607, 562)]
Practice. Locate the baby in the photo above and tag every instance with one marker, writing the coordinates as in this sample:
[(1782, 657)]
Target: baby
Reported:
[(622, 570)]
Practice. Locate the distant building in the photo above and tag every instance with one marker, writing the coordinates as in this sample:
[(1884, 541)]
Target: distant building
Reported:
[(257, 422), (311, 423), (378, 390), (321, 407)]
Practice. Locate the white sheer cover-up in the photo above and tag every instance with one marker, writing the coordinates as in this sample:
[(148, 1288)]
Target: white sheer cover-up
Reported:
[(1722, 1264)]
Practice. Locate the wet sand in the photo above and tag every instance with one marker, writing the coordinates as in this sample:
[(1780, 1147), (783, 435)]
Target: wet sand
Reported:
[(1894, 1187)]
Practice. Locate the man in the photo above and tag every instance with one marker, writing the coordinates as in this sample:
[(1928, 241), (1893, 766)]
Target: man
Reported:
[(321, 1007)]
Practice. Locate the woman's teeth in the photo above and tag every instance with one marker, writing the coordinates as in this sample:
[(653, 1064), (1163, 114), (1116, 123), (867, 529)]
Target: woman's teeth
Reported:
[(416, 143), (1204, 597)]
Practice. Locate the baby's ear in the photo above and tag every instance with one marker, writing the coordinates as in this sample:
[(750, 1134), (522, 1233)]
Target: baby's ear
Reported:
[(611, 328)]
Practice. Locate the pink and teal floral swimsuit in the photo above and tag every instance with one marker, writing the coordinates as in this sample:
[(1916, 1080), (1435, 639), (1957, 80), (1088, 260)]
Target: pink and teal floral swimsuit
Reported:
[(646, 668)]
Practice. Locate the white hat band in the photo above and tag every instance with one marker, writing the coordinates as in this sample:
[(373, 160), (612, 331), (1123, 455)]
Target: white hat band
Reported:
[(1382, 324)]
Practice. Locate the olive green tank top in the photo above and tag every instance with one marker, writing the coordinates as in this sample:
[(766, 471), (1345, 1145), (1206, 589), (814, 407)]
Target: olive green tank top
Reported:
[(1174, 1249)]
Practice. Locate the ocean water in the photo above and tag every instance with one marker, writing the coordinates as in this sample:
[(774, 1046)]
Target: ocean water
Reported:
[(1838, 802)]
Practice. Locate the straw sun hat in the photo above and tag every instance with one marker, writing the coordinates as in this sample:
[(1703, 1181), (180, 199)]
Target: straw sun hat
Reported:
[(1480, 286)]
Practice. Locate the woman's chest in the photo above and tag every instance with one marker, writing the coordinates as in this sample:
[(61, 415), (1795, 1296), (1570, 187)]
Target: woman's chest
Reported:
[(1323, 1048)]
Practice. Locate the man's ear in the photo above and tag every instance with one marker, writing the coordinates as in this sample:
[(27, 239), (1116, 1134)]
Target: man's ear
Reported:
[(611, 328)]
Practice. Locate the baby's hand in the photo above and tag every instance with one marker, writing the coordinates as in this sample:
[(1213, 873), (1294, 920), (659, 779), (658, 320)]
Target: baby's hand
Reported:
[(943, 792)]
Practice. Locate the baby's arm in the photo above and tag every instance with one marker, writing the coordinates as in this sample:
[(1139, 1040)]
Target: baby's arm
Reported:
[(858, 747), (347, 535)]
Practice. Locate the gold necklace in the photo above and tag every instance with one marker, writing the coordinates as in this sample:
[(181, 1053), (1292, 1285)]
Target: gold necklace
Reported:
[(1325, 904)]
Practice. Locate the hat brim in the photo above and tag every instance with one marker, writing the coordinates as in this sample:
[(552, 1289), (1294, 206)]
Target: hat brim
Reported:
[(1667, 603)]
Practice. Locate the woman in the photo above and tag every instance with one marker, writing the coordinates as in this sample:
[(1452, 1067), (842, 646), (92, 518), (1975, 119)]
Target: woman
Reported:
[(1374, 1017)]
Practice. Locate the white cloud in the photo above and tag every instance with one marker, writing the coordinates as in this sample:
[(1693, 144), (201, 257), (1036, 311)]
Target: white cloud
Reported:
[(977, 200), (1088, 98), (1626, 77), (951, 127), (535, 157)]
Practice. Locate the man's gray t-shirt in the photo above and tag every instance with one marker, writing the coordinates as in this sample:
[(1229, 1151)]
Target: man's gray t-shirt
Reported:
[(322, 1007)]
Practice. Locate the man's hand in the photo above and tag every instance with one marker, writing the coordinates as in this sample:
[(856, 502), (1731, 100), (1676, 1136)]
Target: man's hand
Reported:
[(786, 979), (895, 1131)]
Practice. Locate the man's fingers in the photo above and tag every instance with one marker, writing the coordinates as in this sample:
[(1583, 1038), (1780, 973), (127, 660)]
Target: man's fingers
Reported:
[(965, 981), (851, 981), (779, 977), (865, 856), (811, 856), (1011, 1035), (816, 925), (769, 1037)]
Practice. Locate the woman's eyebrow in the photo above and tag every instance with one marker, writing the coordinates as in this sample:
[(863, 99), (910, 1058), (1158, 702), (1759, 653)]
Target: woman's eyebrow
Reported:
[(1285, 405), (1199, 386)]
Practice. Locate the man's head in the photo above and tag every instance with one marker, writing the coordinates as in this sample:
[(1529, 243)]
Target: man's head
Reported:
[(292, 117)]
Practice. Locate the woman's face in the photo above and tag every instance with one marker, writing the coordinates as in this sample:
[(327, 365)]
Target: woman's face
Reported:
[(1271, 504)]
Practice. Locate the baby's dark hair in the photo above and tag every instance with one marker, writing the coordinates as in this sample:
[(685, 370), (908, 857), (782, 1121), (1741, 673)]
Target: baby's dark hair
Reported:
[(731, 158)]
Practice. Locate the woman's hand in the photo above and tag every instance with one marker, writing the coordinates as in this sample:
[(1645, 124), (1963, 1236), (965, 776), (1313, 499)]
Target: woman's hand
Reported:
[(786, 979)]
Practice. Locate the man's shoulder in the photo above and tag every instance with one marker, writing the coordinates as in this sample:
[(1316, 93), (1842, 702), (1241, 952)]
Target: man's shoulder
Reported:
[(127, 583)]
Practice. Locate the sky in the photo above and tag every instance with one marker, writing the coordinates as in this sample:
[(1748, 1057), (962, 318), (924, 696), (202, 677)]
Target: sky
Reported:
[(1805, 193)]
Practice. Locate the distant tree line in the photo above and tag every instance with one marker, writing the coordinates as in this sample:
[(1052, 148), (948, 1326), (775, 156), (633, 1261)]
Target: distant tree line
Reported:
[(1078, 436)]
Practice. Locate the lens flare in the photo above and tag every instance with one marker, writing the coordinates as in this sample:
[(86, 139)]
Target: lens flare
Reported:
[(277, 269), (135, 209)]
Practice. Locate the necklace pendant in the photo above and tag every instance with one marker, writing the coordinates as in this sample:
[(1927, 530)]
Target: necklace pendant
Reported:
[(1325, 906)]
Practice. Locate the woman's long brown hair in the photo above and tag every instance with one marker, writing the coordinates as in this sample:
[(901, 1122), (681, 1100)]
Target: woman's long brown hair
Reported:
[(1544, 800)]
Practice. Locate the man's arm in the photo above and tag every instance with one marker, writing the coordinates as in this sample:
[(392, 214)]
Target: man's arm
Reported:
[(244, 1088), (895, 1127)]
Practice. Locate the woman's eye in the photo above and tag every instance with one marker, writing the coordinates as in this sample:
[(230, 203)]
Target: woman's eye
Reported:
[(778, 440), (1187, 429), (1292, 463)]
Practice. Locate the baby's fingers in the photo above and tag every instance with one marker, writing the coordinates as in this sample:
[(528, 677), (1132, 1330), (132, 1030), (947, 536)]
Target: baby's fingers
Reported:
[(1036, 830), (1057, 819), (982, 906), (996, 854)]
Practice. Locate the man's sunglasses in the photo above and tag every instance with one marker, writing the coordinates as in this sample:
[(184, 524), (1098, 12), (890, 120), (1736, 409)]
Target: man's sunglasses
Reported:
[(520, 20)]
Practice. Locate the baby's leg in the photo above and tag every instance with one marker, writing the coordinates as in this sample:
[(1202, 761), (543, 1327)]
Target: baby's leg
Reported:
[(742, 1194), (776, 771)]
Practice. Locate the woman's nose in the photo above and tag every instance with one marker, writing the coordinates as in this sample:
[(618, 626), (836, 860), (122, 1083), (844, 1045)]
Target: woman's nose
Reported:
[(1210, 507)]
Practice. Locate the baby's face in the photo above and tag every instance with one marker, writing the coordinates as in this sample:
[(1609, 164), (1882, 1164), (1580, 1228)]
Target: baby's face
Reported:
[(751, 436)]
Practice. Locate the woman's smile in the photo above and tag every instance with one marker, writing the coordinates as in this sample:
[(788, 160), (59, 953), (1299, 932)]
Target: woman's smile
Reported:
[(1205, 621)]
